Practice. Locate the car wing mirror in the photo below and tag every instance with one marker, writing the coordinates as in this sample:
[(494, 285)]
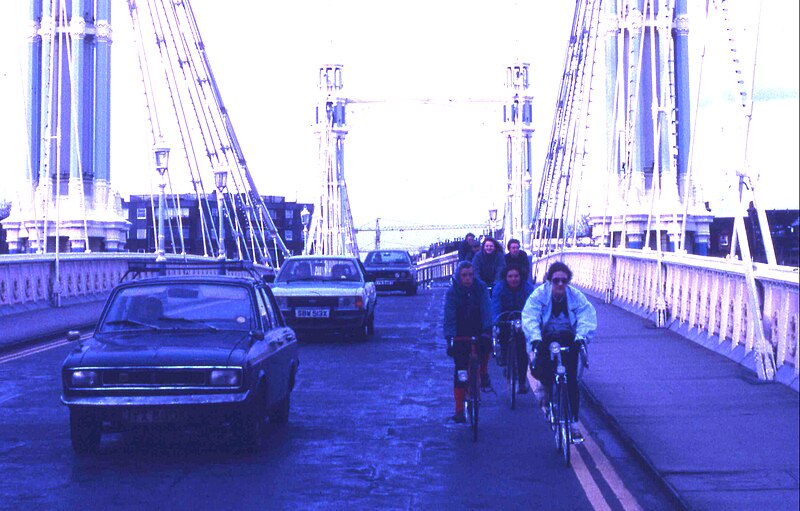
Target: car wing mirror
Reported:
[(257, 335), (73, 335), (268, 278)]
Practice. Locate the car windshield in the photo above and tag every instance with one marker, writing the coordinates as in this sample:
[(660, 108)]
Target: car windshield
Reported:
[(319, 270), (180, 306), (387, 258)]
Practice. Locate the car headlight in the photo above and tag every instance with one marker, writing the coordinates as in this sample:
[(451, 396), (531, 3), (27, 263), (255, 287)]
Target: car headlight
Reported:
[(225, 377), (351, 302), (82, 378)]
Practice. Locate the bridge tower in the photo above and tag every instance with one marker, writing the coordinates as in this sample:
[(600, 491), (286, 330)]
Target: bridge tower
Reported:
[(68, 204), (517, 130), (332, 231), (647, 98)]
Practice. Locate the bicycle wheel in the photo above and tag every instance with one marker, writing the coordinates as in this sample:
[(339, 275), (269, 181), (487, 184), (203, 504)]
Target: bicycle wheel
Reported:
[(511, 366), (555, 414), (565, 425)]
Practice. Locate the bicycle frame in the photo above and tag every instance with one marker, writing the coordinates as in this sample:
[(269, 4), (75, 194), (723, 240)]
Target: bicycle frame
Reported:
[(472, 378), (510, 323), (559, 407)]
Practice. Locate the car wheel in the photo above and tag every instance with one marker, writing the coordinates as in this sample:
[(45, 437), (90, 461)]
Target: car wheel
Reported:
[(411, 290), (85, 430), (250, 424), (371, 325), (280, 414)]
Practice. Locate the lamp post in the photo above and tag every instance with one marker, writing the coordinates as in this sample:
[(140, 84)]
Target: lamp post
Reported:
[(221, 180), (161, 155), (305, 219), (492, 219)]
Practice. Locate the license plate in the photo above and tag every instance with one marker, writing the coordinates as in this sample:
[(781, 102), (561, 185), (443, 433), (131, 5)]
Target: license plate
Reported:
[(312, 312), (383, 282), (153, 415)]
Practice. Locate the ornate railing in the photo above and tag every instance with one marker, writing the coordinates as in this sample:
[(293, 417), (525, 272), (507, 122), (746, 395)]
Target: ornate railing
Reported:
[(40, 281), (436, 268), (704, 294)]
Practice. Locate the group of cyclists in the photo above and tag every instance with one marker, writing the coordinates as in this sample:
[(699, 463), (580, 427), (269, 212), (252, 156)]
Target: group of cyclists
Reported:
[(489, 282)]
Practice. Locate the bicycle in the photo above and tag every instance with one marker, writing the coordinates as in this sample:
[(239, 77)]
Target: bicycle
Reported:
[(559, 411), (509, 326), (472, 377)]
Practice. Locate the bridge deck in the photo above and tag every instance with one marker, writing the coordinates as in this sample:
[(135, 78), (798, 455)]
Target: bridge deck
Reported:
[(717, 437)]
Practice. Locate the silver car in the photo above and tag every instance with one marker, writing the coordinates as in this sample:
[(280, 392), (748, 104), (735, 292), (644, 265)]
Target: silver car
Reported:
[(326, 294)]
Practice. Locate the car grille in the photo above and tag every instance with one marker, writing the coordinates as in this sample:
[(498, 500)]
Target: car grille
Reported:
[(154, 377), (313, 301)]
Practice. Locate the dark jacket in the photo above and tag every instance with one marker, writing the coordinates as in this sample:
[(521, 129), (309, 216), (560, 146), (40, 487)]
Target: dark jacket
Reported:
[(522, 261), (505, 299), (488, 268), (467, 311), (465, 251)]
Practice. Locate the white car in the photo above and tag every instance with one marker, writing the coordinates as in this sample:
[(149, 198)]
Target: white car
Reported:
[(326, 293)]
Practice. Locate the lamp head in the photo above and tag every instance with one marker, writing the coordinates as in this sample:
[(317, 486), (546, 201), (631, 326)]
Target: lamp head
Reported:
[(221, 178), (493, 214), (161, 156), (305, 216)]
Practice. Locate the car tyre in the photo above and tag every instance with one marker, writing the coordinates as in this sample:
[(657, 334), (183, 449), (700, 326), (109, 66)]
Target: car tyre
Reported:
[(85, 430), (280, 414), (250, 425), (371, 324)]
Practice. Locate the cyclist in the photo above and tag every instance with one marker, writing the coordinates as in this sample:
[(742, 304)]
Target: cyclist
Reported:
[(518, 257), (556, 311), (510, 294), (467, 314), (489, 262), (465, 248)]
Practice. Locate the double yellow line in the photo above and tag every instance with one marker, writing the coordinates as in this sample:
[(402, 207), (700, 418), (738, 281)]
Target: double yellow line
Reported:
[(604, 467), (38, 348)]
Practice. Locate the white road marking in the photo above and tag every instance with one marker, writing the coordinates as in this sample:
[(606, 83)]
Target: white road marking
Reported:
[(37, 349)]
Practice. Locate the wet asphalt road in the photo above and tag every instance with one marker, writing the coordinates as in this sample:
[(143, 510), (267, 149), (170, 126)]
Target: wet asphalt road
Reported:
[(369, 429)]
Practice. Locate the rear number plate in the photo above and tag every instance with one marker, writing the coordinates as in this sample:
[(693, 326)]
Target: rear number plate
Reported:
[(153, 415), (384, 282), (311, 312)]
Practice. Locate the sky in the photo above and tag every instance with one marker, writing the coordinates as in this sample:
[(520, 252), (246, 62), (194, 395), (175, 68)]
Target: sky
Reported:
[(408, 163)]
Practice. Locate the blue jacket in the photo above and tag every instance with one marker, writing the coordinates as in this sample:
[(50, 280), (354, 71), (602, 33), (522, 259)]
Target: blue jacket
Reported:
[(459, 297), (505, 299), (539, 307), (489, 268)]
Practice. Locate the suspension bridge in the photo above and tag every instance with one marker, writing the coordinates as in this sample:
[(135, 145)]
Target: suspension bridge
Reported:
[(623, 133)]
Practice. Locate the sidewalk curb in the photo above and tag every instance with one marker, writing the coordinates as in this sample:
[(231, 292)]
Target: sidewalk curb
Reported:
[(598, 406)]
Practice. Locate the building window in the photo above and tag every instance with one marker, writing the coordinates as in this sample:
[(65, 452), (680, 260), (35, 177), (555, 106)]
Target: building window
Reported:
[(723, 240), (141, 234), (141, 213), (289, 214), (288, 236)]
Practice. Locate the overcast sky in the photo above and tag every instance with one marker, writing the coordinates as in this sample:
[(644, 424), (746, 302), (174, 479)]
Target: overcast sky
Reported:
[(404, 162)]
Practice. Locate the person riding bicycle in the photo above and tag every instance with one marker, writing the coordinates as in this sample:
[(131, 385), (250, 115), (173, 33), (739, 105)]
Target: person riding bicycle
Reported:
[(518, 257), (489, 262), (510, 294), (467, 314), (556, 311)]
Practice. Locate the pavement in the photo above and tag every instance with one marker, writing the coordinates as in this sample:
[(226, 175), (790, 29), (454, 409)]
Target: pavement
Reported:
[(716, 436)]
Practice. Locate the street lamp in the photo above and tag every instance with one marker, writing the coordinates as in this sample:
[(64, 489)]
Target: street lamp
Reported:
[(492, 219), (305, 219), (221, 180), (161, 156)]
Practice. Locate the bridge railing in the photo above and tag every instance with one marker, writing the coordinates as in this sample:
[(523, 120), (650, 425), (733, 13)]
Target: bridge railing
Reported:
[(704, 294), (29, 282), (436, 269)]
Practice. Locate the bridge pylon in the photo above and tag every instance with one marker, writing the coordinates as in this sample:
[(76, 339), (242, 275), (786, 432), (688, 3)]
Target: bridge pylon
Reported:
[(332, 231), (67, 203), (517, 131), (651, 201)]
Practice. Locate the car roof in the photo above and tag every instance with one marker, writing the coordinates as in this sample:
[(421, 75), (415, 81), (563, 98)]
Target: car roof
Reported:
[(310, 257), (203, 279)]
